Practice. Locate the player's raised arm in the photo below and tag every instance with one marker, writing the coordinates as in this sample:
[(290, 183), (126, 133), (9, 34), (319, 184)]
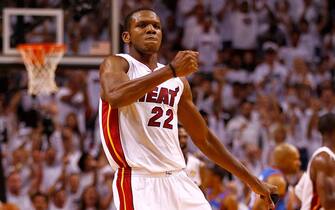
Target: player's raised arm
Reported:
[(323, 176), (211, 146), (119, 90)]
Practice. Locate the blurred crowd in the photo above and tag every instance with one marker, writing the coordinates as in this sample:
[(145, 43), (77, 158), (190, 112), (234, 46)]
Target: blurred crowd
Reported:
[(267, 72)]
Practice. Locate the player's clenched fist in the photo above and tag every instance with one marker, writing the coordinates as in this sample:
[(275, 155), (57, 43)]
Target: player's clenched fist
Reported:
[(185, 62)]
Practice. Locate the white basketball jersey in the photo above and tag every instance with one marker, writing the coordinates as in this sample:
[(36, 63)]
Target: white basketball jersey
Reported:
[(304, 189), (144, 135)]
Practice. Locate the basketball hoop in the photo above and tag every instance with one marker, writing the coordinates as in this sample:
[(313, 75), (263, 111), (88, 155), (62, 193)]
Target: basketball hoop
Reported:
[(41, 61)]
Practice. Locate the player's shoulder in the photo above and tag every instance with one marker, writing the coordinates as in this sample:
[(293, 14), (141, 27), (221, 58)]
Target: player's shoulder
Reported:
[(322, 160), (112, 61), (276, 179), (279, 181), (322, 163)]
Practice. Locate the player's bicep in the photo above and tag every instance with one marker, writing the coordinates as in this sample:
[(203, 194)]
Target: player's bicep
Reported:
[(189, 115), (112, 74), (325, 182)]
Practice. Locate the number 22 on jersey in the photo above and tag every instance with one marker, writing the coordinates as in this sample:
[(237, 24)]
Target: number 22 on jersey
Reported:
[(158, 113)]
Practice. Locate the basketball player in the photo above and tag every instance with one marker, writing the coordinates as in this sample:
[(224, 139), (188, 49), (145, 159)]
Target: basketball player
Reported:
[(286, 161), (194, 168), (141, 104), (316, 188)]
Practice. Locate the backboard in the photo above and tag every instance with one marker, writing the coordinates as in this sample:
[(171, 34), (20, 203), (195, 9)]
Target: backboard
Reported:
[(28, 23)]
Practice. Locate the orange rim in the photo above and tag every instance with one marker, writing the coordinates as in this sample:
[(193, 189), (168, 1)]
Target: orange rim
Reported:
[(36, 53), (47, 47)]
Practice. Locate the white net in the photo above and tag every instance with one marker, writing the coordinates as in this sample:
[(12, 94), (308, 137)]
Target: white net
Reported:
[(41, 63)]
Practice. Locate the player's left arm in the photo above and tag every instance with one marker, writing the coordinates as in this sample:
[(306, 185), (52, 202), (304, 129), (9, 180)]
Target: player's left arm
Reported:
[(322, 175), (211, 146)]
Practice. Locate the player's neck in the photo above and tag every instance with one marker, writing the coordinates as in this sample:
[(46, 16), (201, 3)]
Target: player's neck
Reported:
[(150, 60), (330, 145)]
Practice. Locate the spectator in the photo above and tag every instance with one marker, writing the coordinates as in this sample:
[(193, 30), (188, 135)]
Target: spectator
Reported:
[(270, 76), (59, 200), (88, 166), (40, 201), (218, 195), (14, 191), (224, 22), (73, 98), (243, 129), (72, 188), (89, 199), (244, 22), (194, 166), (193, 27), (208, 44), (294, 50), (300, 73), (51, 169)]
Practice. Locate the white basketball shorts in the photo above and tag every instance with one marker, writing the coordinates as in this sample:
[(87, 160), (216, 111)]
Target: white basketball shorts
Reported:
[(173, 190)]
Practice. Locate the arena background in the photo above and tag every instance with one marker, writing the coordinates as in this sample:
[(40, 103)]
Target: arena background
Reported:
[(266, 75)]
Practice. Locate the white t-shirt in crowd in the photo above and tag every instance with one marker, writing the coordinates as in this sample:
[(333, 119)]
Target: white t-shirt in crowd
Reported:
[(288, 54), (264, 69), (245, 30), (93, 89), (67, 206), (66, 108), (243, 131), (208, 45), (192, 29), (22, 201), (50, 176)]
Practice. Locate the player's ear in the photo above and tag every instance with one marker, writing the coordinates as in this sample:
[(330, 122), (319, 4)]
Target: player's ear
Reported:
[(126, 37)]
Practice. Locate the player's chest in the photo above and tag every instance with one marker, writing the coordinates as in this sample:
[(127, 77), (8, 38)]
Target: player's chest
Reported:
[(162, 95)]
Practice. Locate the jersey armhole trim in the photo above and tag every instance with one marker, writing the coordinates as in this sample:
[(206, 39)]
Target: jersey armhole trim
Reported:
[(125, 57)]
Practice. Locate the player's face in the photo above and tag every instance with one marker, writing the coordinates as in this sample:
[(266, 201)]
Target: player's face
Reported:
[(145, 33), (295, 162), (182, 138)]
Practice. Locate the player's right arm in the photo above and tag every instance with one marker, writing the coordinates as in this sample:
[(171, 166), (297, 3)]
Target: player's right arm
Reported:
[(322, 174), (120, 91)]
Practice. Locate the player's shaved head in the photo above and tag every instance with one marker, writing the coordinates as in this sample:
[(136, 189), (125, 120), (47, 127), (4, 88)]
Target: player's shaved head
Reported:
[(286, 158), (282, 151)]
